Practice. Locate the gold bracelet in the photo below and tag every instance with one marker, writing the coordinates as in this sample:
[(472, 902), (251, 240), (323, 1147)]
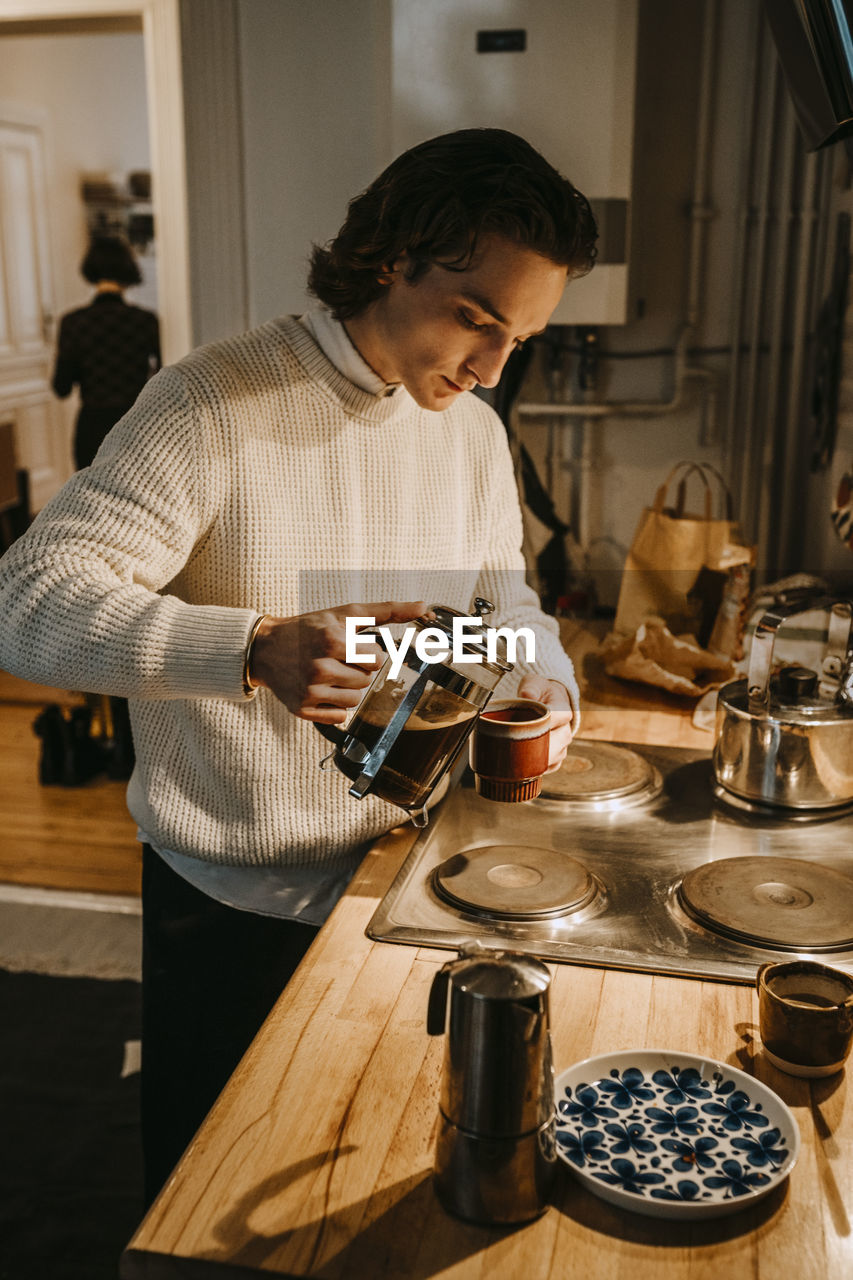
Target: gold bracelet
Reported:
[(250, 687)]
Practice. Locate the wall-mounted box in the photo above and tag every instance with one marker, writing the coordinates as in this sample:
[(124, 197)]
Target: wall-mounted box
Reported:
[(559, 72)]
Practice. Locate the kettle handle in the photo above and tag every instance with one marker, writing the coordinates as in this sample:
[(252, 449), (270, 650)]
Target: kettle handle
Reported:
[(764, 640), (437, 1004)]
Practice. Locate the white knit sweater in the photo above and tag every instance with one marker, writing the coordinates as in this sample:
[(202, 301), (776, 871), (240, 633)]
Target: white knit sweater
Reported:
[(250, 478)]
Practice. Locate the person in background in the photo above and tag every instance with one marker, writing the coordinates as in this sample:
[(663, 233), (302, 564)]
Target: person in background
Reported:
[(109, 349), (206, 562)]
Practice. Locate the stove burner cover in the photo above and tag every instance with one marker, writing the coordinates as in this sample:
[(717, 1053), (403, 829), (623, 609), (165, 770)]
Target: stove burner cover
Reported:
[(776, 902), (512, 882), (595, 773)]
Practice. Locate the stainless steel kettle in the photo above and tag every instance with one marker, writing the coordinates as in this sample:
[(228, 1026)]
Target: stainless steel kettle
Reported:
[(786, 739), (495, 1153), (410, 726)]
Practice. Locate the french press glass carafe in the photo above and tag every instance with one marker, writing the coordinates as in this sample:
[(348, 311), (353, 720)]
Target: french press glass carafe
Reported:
[(410, 726)]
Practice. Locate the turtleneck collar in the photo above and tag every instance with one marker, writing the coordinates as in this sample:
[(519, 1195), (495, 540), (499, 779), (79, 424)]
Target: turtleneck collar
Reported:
[(337, 346)]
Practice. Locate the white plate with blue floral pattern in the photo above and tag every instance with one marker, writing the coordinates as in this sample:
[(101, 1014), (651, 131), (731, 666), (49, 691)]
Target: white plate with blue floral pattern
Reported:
[(672, 1135)]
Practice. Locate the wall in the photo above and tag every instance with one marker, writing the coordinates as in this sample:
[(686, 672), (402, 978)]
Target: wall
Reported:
[(315, 121), (92, 87), (315, 88), (604, 471), (312, 86), (569, 92)]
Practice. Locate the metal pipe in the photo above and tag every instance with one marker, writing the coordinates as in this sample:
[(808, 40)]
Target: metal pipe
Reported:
[(750, 472), (784, 221), (527, 548), (626, 408), (549, 459), (787, 452), (739, 276), (701, 211), (825, 161)]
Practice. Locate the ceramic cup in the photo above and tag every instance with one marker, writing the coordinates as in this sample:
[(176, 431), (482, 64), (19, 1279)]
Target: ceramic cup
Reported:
[(508, 750), (805, 1015)]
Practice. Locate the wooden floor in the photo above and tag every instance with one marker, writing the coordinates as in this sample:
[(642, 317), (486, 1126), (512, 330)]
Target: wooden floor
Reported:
[(78, 838)]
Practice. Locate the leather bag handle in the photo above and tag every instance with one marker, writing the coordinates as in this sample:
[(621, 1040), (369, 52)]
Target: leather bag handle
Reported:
[(687, 469)]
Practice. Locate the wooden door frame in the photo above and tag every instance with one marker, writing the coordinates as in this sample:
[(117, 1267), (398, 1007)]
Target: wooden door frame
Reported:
[(161, 30)]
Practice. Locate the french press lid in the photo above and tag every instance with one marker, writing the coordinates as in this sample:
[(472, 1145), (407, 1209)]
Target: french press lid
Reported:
[(480, 641)]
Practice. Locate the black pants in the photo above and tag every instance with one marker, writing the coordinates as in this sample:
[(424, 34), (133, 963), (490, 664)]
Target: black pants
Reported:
[(210, 975)]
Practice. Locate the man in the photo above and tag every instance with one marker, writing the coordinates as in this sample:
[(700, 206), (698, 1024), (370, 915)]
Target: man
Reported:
[(205, 564)]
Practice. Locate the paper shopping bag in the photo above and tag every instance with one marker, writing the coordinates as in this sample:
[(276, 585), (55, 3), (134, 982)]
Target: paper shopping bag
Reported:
[(686, 568)]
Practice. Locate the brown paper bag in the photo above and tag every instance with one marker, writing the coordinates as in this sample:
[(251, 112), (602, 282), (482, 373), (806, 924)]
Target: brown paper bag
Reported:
[(681, 565), (675, 663)]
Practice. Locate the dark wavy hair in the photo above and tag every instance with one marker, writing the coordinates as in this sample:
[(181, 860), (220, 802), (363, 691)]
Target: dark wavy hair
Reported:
[(110, 258), (435, 201)]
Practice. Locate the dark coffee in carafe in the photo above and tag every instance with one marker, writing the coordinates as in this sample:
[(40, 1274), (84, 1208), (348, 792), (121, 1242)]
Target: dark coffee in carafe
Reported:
[(437, 727)]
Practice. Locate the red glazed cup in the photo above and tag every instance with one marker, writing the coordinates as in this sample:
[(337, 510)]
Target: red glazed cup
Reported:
[(508, 750)]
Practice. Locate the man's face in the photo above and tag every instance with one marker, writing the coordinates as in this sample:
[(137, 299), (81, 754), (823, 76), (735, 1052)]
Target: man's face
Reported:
[(450, 330)]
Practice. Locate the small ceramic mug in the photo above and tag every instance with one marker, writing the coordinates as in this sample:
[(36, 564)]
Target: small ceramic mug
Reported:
[(805, 1015), (508, 750)]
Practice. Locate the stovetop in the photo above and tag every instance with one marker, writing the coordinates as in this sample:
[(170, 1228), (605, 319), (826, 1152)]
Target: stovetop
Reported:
[(636, 856)]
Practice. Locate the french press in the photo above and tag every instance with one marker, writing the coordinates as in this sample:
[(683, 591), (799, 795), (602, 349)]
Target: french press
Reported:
[(408, 729)]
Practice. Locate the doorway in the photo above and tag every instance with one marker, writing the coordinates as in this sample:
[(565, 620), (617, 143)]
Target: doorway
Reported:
[(73, 138), (106, 827), (41, 426)]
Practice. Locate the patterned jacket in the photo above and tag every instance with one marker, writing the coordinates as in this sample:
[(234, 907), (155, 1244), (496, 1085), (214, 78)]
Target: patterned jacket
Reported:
[(110, 349)]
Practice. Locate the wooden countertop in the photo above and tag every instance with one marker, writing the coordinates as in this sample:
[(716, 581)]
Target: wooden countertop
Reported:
[(316, 1159)]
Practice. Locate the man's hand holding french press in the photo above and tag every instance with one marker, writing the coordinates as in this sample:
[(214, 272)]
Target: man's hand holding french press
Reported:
[(302, 659)]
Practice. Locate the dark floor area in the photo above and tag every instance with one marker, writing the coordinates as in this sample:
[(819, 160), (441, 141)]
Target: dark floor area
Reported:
[(71, 1173)]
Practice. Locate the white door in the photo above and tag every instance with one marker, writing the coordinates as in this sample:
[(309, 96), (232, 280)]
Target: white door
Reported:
[(26, 312)]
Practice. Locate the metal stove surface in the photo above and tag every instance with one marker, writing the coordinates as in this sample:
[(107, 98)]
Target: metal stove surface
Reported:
[(637, 856)]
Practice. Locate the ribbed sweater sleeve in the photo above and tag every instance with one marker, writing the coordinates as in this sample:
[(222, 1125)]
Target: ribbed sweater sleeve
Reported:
[(80, 595)]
